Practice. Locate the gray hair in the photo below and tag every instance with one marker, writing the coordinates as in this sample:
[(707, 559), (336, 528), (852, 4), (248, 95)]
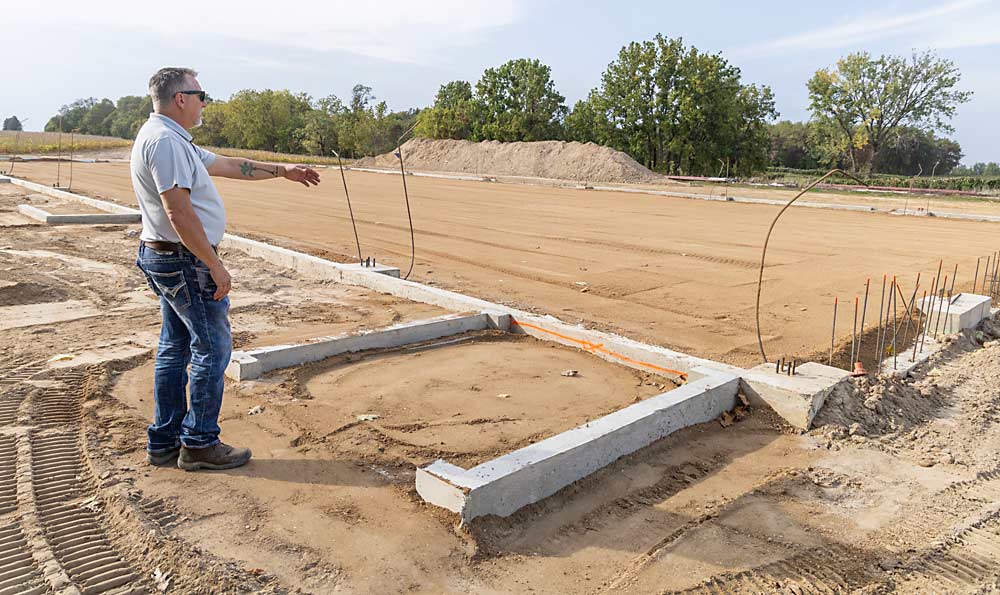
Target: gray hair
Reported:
[(166, 82)]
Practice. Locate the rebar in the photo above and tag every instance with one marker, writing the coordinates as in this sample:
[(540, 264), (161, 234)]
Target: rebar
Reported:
[(920, 317), (878, 332), (59, 159), (854, 330), (406, 196), (833, 331), (947, 313), (909, 307), (864, 309), (885, 332), (767, 238), (930, 310), (940, 304), (954, 276), (350, 209), (975, 277), (894, 327), (72, 139), (986, 271), (996, 268)]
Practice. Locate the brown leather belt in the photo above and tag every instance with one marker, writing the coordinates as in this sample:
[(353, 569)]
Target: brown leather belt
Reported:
[(171, 246), (164, 246)]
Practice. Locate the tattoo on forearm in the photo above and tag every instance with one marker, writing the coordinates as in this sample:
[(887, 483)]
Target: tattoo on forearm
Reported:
[(247, 168)]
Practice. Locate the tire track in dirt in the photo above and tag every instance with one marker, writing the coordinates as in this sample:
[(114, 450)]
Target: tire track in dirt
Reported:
[(8, 471), (65, 497), (18, 571), (830, 570), (70, 522), (963, 560)]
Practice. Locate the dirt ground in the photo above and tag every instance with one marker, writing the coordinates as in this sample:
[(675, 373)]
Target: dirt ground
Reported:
[(896, 491), (675, 272)]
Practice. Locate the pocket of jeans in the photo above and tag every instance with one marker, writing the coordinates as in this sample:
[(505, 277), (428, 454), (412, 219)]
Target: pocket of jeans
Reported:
[(206, 285), (172, 287)]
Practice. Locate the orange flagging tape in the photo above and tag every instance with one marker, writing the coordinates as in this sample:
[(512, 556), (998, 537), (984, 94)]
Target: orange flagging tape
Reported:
[(599, 348)]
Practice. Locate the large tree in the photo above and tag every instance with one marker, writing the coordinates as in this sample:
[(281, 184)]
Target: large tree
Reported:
[(518, 101), (867, 99), (452, 114), (676, 109), (12, 123)]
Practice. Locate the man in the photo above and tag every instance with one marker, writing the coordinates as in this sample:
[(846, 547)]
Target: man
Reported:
[(183, 221)]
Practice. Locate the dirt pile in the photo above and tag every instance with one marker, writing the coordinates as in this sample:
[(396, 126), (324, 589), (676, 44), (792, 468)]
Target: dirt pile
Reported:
[(543, 159), (882, 405)]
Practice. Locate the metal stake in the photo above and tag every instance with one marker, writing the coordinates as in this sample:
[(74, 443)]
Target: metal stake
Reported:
[(937, 323), (975, 277), (954, 275)]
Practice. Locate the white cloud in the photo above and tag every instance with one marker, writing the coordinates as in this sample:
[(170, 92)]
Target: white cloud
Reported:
[(963, 23), (395, 30)]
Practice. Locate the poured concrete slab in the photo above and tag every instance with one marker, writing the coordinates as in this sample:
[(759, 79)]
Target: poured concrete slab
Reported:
[(247, 365), (796, 398), (966, 311), (503, 485), (78, 219)]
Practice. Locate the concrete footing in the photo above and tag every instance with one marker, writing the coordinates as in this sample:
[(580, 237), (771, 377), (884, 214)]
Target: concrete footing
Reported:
[(966, 311), (796, 398), (82, 219), (505, 484), (378, 268), (247, 365)]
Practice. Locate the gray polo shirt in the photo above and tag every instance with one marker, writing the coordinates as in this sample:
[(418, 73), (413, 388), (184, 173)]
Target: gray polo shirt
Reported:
[(165, 156)]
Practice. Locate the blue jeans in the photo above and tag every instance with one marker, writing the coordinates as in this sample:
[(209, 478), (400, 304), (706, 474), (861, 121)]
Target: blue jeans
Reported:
[(195, 332)]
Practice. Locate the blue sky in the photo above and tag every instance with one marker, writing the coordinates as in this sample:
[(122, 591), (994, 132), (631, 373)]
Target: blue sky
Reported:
[(406, 49)]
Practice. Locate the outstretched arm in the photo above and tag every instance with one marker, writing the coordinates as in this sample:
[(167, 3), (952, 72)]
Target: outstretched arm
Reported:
[(247, 169)]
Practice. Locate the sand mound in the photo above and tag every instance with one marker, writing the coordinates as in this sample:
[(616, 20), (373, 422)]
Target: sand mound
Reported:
[(544, 159)]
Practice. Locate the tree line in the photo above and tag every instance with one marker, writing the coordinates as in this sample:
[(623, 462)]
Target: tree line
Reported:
[(670, 106)]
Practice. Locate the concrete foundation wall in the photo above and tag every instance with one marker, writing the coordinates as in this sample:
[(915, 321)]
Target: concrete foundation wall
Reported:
[(508, 483), (102, 205), (83, 219), (246, 365)]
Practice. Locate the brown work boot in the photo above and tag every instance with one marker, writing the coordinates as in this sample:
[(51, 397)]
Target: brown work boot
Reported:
[(217, 456)]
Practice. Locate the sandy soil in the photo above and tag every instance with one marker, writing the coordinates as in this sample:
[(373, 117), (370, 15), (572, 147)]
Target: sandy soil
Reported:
[(675, 272), (895, 492)]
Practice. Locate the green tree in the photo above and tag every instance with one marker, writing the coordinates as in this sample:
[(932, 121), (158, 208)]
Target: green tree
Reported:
[(867, 99), (518, 102), (911, 150), (452, 114), (130, 113), (12, 123), (676, 109), (70, 116), (265, 119)]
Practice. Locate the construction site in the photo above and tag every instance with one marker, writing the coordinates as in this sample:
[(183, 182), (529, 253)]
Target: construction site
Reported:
[(552, 371)]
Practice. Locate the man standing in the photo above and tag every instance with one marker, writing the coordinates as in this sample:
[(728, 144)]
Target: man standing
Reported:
[(183, 221)]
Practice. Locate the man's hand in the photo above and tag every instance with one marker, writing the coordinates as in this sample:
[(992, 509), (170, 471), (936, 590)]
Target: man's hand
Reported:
[(302, 174), (223, 282)]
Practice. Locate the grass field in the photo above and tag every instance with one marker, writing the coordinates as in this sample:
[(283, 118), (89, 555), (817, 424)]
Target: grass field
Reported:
[(49, 143)]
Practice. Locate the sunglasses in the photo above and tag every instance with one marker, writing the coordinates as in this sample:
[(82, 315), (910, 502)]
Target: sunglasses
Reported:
[(201, 94)]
